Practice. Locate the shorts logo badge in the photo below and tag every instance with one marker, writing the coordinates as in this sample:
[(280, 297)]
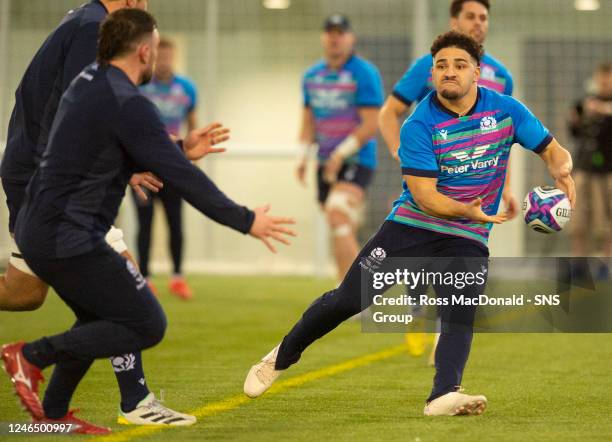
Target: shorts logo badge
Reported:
[(378, 253), (372, 262)]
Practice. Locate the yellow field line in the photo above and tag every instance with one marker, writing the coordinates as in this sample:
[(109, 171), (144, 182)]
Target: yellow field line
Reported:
[(234, 402)]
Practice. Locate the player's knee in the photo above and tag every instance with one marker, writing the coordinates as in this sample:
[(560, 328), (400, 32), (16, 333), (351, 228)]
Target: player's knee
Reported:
[(33, 299), (154, 329), (343, 208), (343, 304), (336, 217), (22, 292)]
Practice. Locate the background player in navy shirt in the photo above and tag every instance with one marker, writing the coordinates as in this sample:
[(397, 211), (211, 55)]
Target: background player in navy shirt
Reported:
[(448, 204), (342, 95), (67, 50), (104, 131)]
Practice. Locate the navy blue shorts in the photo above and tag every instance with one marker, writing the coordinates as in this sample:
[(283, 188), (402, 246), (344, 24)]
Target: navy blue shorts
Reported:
[(350, 173), (102, 287)]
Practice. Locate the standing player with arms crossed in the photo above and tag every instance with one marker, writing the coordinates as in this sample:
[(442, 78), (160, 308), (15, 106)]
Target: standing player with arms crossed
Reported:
[(470, 17), (447, 209), (67, 50), (342, 95), (104, 130)]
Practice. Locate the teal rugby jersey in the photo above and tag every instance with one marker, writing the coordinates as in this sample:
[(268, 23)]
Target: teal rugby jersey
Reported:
[(468, 155)]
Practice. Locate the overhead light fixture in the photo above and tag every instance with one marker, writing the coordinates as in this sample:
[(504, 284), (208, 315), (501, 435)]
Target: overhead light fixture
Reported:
[(586, 5), (276, 4)]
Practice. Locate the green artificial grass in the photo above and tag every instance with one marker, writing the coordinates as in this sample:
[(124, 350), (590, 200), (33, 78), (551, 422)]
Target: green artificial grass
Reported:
[(540, 386)]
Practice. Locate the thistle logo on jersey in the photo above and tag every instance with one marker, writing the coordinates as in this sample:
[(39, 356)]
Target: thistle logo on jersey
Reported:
[(444, 134), (488, 123), (123, 363)]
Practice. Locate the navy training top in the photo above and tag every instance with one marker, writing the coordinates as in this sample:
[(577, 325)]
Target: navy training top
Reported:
[(104, 131)]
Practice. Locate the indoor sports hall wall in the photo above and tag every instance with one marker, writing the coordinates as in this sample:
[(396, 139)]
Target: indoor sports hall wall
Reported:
[(247, 62)]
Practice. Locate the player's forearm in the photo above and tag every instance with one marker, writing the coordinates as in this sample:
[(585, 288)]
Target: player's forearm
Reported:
[(365, 132), (205, 196), (390, 129), (436, 204), (558, 160), (307, 128), (170, 164), (192, 121), (507, 183), (360, 135), (306, 135), (368, 126)]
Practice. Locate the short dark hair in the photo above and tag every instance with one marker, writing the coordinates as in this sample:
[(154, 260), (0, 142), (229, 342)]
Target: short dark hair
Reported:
[(457, 5), (121, 30), (605, 67), (166, 43), (454, 39)]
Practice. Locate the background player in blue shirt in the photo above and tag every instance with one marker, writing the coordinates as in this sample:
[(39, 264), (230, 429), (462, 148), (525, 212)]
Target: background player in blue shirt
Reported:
[(342, 95), (65, 52), (470, 17), (104, 130), (175, 97), (454, 150)]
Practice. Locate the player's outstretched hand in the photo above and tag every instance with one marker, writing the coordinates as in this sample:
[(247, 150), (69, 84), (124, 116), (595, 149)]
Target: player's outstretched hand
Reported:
[(200, 142), (565, 183), (146, 180), (475, 213), (332, 169), (395, 156), (510, 204), (267, 227)]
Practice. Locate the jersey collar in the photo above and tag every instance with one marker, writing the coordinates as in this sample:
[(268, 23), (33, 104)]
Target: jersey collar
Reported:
[(98, 2), (348, 60), (453, 114), (169, 82)]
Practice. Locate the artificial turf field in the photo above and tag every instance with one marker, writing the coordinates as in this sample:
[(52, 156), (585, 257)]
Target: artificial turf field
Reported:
[(540, 386)]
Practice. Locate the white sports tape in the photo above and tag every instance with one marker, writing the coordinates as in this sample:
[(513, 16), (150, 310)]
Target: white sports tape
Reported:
[(348, 147), (114, 238), (16, 258), (343, 230), (340, 201), (306, 149)]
